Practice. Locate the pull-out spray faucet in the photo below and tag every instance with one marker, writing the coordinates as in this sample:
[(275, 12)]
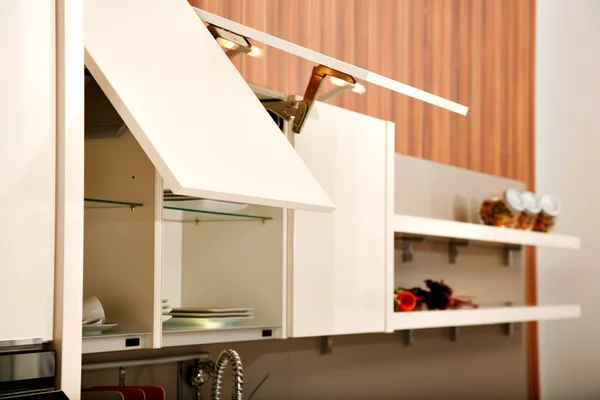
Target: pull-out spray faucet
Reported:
[(228, 356), (204, 371)]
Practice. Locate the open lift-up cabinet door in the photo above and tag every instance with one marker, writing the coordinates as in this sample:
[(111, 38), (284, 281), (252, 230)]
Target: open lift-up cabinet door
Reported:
[(189, 108), (193, 113)]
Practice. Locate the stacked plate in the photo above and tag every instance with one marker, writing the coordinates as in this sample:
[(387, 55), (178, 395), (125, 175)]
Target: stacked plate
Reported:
[(212, 316), (166, 310)]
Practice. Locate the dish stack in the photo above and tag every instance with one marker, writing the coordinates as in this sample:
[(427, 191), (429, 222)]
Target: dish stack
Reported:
[(166, 310), (212, 317), (93, 322)]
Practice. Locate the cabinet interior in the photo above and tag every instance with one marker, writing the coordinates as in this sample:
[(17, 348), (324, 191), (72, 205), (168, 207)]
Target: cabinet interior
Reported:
[(120, 240), (195, 258)]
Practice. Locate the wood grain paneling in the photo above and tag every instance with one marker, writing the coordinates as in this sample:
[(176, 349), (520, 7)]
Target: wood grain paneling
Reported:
[(476, 52)]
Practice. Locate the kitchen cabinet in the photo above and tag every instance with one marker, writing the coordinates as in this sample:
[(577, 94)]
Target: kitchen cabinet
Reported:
[(303, 273), (27, 162), (170, 123), (337, 261)]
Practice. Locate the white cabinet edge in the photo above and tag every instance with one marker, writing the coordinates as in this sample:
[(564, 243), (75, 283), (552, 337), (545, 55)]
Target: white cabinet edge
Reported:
[(469, 231), (489, 316), (319, 58)]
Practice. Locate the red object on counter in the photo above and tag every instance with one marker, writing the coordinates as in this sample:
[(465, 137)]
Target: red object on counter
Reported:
[(406, 301), (135, 392), (127, 392)]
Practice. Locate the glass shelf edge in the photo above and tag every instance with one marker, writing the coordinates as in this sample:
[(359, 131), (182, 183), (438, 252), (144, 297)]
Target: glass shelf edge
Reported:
[(112, 202)]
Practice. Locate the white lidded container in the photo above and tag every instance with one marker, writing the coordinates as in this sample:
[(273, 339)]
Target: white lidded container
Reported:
[(531, 210), (550, 208)]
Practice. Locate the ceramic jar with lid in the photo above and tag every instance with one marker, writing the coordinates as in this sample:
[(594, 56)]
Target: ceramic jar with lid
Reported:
[(531, 210), (502, 211), (547, 218)]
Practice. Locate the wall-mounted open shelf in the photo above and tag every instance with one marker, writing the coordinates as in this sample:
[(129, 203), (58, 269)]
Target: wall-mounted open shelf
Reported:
[(115, 342), (91, 203), (481, 316), (410, 229), (197, 215), (243, 333)]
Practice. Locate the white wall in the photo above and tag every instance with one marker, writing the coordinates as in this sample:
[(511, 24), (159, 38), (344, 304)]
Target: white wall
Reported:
[(568, 166)]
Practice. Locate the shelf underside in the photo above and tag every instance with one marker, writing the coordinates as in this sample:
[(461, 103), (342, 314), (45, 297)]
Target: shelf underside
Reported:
[(177, 337), (242, 333), (115, 342), (481, 316), (437, 228)]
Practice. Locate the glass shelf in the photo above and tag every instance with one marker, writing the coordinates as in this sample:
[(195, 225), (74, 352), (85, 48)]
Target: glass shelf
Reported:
[(196, 215), (101, 203)]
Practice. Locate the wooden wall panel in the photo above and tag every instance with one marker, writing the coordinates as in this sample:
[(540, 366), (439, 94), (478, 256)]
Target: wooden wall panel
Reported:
[(475, 52)]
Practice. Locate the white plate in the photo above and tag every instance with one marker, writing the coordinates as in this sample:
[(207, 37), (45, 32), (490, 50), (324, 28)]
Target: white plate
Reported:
[(210, 316), (95, 330), (212, 310), (203, 323), (166, 318), (166, 300), (166, 311)]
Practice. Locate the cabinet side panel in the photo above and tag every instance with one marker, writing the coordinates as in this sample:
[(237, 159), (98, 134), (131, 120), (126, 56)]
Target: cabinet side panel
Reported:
[(119, 250), (339, 258), (236, 264), (389, 229), (172, 256), (27, 164)]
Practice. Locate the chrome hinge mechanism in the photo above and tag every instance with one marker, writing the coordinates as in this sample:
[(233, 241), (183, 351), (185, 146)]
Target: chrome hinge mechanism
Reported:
[(299, 109)]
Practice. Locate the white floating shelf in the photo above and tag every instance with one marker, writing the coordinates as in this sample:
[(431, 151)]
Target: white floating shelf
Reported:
[(481, 316), (208, 336), (478, 232), (116, 342)]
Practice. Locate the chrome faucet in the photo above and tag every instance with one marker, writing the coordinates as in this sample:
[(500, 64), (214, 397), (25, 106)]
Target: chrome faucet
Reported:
[(225, 357)]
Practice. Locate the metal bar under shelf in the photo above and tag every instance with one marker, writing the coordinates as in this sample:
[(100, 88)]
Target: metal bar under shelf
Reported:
[(142, 362), (225, 214), (199, 221)]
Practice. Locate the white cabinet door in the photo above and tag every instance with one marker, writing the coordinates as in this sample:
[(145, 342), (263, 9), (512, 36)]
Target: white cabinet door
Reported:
[(27, 165), (337, 269), (190, 109)]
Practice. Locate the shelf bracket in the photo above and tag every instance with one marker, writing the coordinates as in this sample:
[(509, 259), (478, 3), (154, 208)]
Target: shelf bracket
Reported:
[(409, 337), (407, 247), (507, 253), (122, 376), (454, 333), (299, 109), (510, 327), (453, 246), (326, 345)]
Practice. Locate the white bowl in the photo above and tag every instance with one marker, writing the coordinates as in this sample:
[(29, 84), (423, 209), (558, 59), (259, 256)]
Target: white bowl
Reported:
[(93, 310)]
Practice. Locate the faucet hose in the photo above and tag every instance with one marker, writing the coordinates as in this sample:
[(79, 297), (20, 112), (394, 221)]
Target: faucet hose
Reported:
[(224, 358)]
